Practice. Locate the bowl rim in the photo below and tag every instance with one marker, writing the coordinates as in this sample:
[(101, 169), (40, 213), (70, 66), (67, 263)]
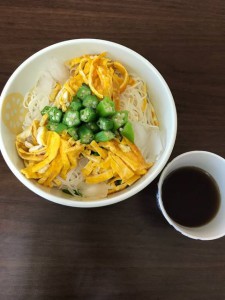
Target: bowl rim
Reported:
[(105, 201)]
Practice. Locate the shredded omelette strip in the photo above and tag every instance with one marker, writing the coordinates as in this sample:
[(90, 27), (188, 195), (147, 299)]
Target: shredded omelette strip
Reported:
[(119, 163), (48, 155), (104, 77), (55, 156)]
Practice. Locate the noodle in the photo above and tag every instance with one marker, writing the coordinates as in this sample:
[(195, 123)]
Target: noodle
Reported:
[(133, 98)]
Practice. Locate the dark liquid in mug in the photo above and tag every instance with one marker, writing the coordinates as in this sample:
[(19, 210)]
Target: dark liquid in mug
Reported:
[(190, 196)]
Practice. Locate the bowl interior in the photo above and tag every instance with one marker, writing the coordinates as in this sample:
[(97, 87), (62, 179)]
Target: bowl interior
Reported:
[(25, 77)]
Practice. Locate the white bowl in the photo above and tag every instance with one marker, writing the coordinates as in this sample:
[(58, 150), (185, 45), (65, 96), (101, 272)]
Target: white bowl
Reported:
[(26, 75)]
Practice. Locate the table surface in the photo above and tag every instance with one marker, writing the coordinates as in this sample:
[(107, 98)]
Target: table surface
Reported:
[(127, 250)]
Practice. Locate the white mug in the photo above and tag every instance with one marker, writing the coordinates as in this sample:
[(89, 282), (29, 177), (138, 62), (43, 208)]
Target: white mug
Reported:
[(215, 166)]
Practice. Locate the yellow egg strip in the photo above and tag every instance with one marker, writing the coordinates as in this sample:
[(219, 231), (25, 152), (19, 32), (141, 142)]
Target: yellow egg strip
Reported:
[(91, 78), (55, 171), (102, 152), (51, 172), (29, 155), (105, 164), (73, 157), (124, 72), (88, 168), (120, 168), (65, 161), (100, 177), (131, 180), (123, 162), (104, 77), (53, 143), (117, 188), (55, 91)]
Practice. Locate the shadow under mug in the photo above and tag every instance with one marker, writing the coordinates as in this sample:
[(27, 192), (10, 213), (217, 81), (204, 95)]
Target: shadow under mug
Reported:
[(215, 166)]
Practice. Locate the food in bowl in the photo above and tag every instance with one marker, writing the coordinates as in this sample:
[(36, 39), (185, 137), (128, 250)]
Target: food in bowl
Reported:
[(86, 127)]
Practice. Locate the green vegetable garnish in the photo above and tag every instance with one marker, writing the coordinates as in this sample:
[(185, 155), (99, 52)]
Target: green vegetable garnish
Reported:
[(93, 126), (119, 119), (83, 91), (57, 127), (71, 118), (128, 131), (45, 110), (105, 123), (68, 192), (118, 182), (90, 101), (96, 119), (55, 114), (73, 132), (104, 136), (106, 108), (88, 114), (85, 134), (76, 104)]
